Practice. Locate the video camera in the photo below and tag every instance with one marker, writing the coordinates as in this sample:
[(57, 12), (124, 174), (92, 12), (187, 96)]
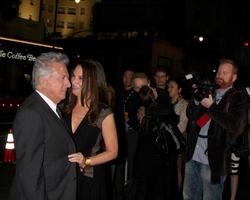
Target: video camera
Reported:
[(201, 87)]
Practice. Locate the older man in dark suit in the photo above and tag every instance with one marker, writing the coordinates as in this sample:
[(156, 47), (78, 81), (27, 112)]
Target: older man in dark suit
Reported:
[(42, 141)]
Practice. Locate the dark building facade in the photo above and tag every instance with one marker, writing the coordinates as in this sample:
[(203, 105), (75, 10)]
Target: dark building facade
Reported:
[(140, 18)]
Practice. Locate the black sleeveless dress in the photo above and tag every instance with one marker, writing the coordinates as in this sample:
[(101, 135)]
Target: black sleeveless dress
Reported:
[(92, 182)]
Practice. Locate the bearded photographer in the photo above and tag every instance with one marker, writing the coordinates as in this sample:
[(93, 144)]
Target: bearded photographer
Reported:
[(215, 124)]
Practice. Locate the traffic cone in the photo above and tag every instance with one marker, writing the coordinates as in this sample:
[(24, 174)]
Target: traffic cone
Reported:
[(9, 152)]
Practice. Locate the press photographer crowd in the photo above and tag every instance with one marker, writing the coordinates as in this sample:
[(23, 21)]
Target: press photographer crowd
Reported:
[(171, 137), (189, 138)]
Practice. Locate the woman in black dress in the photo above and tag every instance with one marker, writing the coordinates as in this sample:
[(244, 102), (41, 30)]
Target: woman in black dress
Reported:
[(93, 128)]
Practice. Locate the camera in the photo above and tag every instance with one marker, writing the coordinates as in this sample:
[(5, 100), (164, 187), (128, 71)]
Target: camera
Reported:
[(201, 87)]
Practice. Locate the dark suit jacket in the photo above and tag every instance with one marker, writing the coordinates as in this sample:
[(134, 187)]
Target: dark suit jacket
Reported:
[(42, 145), (228, 121)]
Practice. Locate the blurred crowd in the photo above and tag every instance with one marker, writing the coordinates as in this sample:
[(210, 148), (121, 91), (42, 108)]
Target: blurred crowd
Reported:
[(210, 114)]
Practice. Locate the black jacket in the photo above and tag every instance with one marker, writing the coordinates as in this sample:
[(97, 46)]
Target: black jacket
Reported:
[(43, 144), (228, 121)]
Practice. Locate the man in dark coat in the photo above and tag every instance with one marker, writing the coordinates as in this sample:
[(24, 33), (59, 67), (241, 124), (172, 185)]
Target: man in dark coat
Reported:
[(215, 124), (41, 138)]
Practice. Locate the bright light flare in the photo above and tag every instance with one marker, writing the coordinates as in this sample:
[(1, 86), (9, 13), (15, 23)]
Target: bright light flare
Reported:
[(201, 39)]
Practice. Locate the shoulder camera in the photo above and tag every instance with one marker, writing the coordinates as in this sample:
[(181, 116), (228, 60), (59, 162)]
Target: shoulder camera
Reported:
[(201, 87)]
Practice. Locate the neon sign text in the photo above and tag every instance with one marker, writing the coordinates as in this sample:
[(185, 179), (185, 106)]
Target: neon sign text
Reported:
[(17, 56)]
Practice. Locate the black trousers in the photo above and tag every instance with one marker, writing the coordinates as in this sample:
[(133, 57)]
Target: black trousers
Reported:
[(132, 140), (158, 181)]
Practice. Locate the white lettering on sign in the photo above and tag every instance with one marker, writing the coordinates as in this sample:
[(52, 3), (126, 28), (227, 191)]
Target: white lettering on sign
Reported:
[(17, 56), (31, 57), (2, 54)]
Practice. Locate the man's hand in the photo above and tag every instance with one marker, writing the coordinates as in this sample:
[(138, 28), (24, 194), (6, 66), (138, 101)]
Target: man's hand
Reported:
[(141, 113), (126, 117), (207, 102)]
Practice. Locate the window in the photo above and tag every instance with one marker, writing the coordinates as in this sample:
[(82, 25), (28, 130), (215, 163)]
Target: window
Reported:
[(49, 22), (61, 10), (82, 11), (71, 11), (50, 8), (43, 7), (71, 25), (60, 24), (81, 25), (91, 24)]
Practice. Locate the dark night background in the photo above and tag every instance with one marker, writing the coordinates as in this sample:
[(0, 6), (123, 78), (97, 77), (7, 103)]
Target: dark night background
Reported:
[(223, 24), (140, 35)]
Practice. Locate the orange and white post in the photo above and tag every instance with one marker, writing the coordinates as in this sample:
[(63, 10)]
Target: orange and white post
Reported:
[(9, 152)]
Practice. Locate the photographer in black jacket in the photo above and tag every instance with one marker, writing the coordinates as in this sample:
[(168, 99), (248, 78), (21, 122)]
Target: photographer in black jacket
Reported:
[(155, 170), (215, 124)]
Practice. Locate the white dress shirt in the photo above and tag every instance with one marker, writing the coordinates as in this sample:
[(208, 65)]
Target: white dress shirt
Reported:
[(51, 104)]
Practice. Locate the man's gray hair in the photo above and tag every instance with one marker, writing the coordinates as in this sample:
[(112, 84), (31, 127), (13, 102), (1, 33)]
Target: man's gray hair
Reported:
[(42, 65)]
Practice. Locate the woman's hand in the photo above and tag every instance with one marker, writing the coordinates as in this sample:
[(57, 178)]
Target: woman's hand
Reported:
[(77, 158)]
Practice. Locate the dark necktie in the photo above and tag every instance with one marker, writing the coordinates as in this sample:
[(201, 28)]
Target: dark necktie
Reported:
[(59, 112)]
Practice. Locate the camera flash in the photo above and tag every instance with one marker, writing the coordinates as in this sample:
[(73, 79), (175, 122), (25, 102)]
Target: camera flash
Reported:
[(189, 76)]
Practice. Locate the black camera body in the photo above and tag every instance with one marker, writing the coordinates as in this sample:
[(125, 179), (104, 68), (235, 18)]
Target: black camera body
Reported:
[(204, 89), (201, 88)]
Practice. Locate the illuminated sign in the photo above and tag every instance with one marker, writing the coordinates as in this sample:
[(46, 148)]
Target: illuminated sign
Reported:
[(31, 43), (17, 56)]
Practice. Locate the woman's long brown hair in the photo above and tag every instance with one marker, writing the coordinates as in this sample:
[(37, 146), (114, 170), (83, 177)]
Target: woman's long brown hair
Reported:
[(94, 89)]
